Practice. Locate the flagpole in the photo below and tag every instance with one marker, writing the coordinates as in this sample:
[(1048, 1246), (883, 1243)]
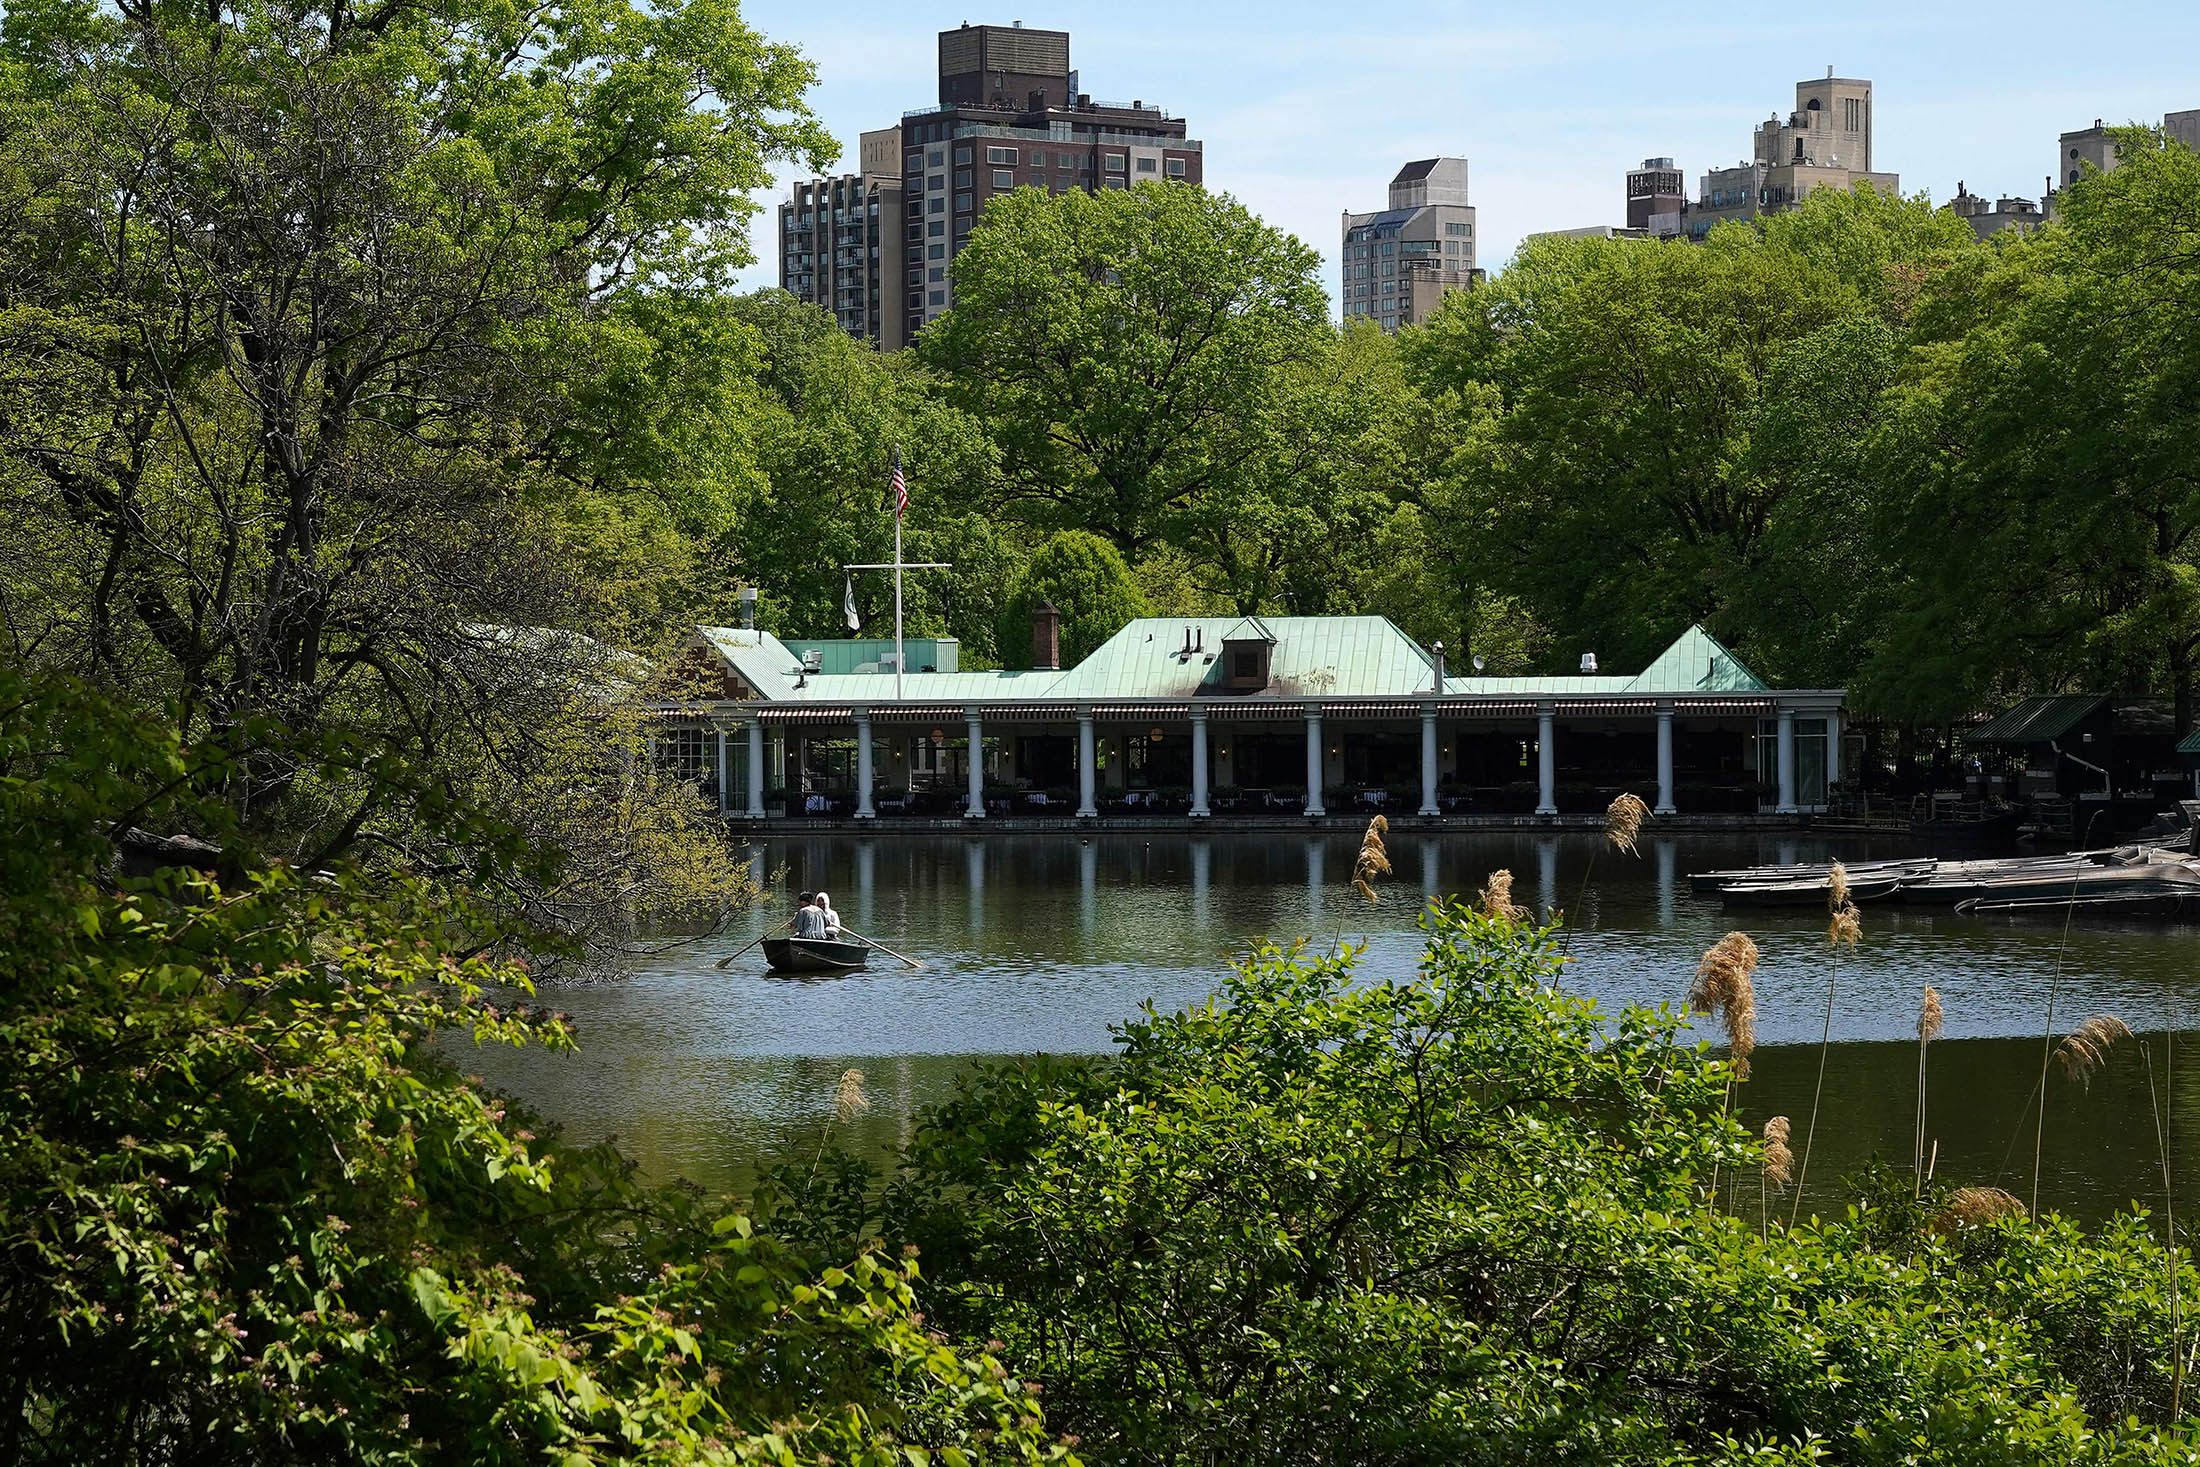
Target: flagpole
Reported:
[(899, 657)]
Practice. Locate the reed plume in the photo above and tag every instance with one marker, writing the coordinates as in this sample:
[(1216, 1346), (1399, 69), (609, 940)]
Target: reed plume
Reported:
[(1496, 900), (849, 1100), (1845, 928), (1837, 887), (1928, 1029), (1374, 860), (1779, 1165), (1725, 987), (2087, 1047), (1973, 1207), (1623, 820)]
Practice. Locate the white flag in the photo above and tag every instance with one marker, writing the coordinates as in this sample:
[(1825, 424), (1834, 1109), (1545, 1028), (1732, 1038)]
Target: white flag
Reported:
[(848, 605)]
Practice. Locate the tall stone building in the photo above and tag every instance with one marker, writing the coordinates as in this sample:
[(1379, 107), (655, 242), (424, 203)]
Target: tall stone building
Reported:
[(838, 239), (1826, 142), (1401, 261), (1010, 116)]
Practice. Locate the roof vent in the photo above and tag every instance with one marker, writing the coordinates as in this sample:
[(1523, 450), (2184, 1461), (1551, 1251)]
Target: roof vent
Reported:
[(813, 658), (1588, 663)]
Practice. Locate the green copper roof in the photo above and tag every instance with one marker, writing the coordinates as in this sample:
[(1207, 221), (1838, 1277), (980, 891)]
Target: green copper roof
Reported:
[(1181, 657), (2037, 720)]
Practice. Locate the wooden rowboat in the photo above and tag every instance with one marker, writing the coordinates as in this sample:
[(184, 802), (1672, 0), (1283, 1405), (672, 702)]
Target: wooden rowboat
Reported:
[(813, 955)]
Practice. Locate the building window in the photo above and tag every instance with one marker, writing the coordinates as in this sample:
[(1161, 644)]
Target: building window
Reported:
[(935, 229), (1001, 155), (939, 252), (962, 155), (914, 163), (1117, 183), (1176, 168), (937, 183), (1149, 165), (938, 274), (1113, 163), (916, 300), (939, 298), (1455, 229), (962, 178), (962, 203), (1852, 114), (916, 253), (1065, 160), (939, 206), (916, 277), (1002, 178)]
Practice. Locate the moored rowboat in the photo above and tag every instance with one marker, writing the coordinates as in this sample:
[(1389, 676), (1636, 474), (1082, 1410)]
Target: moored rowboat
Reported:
[(813, 955)]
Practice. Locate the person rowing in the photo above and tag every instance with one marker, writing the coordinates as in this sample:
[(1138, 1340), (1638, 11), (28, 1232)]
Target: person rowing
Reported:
[(810, 920)]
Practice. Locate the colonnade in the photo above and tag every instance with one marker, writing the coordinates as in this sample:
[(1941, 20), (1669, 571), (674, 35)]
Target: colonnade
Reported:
[(1088, 806)]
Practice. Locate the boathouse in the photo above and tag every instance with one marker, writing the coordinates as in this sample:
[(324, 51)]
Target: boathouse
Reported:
[(1233, 717)]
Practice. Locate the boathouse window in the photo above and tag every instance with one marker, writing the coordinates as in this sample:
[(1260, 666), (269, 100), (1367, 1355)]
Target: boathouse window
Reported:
[(1810, 760), (684, 753), (1245, 663)]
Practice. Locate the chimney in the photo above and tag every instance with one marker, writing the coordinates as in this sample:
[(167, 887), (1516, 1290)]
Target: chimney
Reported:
[(748, 608), (1046, 637), (1588, 663)]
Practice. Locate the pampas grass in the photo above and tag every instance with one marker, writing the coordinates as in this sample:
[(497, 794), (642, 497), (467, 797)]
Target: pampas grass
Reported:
[(1374, 860), (1623, 820), (1725, 986), (1777, 1170), (1928, 1029), (1975, 1207), (1496, 901), (849, 1099), (2087, 1047)]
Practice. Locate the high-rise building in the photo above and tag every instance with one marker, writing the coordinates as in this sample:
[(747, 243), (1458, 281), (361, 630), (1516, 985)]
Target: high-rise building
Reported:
[(1401, 261), (1010, 116), (1657, 203), (1826, 142), (2183, 127), (839, 237), (1992, 218), (2089, 149)]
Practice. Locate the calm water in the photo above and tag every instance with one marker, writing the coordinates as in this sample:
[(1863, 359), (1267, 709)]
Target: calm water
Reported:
[(1041, 942)]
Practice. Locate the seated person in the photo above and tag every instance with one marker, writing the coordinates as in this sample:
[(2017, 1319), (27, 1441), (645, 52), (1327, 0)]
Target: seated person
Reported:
[(809, 918)]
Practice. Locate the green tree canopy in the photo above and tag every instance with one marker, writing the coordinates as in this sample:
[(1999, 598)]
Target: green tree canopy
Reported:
[(1118, 345), (1086, 580)]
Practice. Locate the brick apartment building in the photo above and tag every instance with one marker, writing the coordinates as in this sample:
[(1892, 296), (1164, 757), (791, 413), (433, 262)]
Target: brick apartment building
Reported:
[(1009, 116)]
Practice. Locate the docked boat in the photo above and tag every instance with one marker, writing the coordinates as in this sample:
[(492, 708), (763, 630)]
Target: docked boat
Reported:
[(814, 955)]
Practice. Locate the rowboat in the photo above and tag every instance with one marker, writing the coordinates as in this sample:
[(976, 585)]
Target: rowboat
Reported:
[(813, 955)]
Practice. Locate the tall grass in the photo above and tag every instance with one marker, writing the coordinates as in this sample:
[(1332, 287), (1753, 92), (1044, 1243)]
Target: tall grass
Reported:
[(1843, 926)]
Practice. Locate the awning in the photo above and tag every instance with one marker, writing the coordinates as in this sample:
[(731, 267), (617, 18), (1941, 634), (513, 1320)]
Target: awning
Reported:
[(2037, 720)]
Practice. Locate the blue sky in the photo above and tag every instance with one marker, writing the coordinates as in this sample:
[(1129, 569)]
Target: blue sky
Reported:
[(1307, 109)]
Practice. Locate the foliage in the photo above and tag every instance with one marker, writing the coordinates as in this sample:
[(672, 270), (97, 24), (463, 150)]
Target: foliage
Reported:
[(2043, 450), (829, 416), (1116, 343), (1086, 581), (298, 306), (1462, 1217), (247, 1215)]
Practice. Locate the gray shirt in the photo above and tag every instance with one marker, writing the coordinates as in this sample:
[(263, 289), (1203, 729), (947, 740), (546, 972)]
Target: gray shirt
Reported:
[(809, 922)]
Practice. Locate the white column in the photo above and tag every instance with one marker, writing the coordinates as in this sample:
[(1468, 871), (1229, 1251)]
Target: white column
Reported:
[(976, 808), (1665, 760), (756, 768), (1787, 762), (1314, 763), (722, 794), (1428, 761), (1085, 760), (1199, 763), (863, 765), (1833, 748), (1546, 762)]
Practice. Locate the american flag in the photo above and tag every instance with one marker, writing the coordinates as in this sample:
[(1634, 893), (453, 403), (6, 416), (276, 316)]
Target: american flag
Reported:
[(901, 488)]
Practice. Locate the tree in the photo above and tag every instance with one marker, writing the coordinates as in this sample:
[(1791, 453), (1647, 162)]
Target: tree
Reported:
[(296, 306), (2046, 445), (246, 1215), (1633, 421), (1086, 581), (1117, 344), (829, 415)]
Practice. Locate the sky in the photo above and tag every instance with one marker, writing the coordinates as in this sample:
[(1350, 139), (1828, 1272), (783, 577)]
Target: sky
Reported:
[(1306, 110)]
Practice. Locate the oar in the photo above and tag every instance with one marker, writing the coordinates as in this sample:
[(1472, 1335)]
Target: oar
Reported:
[(882, 947), (729, 957)]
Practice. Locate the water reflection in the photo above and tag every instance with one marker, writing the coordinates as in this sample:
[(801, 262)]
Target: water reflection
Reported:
[(1040, 943)]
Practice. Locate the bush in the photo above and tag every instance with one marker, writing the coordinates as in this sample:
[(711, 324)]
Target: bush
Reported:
[(1463, 1218), (245, 1217)]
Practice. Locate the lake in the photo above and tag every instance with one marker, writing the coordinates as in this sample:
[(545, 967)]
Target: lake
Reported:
[(1041, 942)]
